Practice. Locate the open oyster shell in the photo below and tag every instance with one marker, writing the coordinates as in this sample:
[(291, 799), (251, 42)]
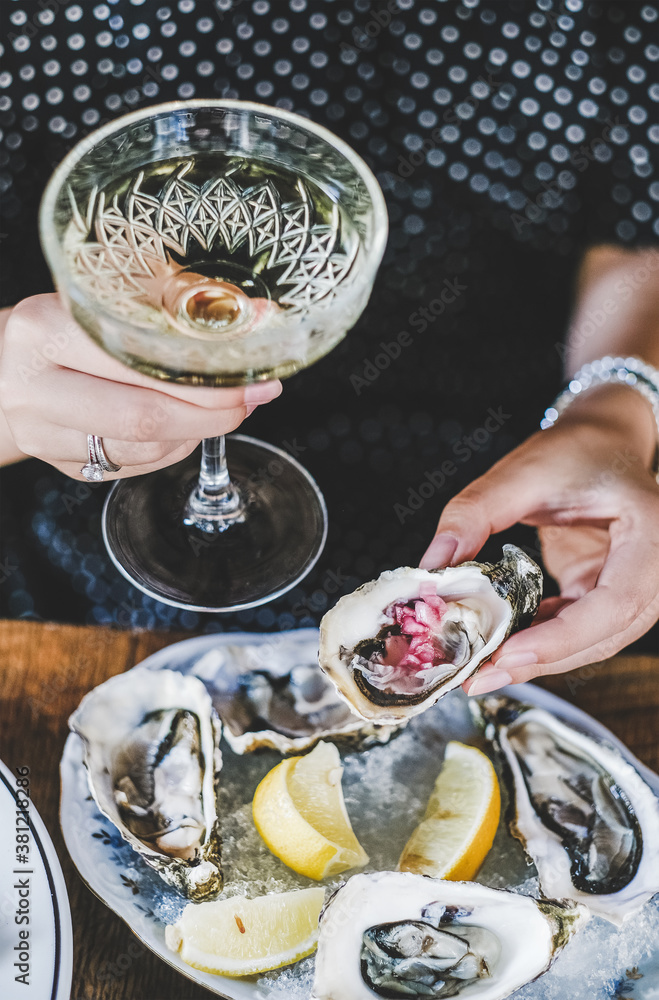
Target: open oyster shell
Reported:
[(274, 695), (393, 934), (396, 645), (583, 813), (151, 749)]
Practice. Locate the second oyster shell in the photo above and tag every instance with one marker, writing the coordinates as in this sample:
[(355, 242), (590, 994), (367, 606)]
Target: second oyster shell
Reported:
[(274, 695)]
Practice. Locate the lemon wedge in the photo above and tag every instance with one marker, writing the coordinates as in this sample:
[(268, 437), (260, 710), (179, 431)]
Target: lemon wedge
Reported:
[(242, 937), (461, 819), (301, 815)]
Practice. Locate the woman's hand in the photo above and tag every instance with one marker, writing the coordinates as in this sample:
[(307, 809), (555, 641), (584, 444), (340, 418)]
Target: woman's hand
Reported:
[(586, 485), (57, 386)]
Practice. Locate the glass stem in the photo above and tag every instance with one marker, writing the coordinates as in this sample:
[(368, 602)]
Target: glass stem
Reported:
[(215, 504)]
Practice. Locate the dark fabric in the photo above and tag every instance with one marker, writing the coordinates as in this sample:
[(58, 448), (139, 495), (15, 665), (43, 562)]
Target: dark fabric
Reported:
[(507, 137)]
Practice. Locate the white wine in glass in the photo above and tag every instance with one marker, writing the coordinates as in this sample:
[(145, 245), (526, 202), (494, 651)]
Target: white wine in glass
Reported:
[(215, 243)]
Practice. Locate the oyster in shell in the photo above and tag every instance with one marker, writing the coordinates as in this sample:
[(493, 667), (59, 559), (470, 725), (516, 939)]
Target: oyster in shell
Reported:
[(275, 696), (151, 749), (396, 645), (584, 814), (393, 934)]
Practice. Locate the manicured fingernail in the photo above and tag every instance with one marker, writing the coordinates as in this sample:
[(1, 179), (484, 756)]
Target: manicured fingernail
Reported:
[(250, 409), (440, 551), (514, 661), (262, 392), (489, 680)]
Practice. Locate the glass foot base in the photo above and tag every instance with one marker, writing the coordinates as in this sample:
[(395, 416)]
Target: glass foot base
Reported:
[(276, 545)]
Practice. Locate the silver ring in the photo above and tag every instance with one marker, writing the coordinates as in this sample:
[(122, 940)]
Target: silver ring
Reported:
[(101, 457), (98, 462)]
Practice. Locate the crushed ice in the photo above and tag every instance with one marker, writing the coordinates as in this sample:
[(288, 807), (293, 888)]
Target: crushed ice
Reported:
[(385, 805)]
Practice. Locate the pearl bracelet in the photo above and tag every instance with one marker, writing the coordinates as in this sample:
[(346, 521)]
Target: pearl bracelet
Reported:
[(608, 371)]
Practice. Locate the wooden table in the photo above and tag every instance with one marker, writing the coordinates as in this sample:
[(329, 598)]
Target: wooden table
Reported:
[(46, 669)]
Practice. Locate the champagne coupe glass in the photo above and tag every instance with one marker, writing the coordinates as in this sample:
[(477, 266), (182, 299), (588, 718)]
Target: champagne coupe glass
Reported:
[(216, 243)]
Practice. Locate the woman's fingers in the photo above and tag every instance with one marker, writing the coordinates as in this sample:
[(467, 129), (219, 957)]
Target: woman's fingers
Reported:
[(57, 386), (177, 453), (574, 556), (124, 412), (621, 608), (43, 335), (67, 450), (509, 492), (549, 608)]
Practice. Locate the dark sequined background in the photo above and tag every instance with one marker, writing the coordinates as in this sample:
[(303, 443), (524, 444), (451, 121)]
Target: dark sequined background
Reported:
[(507, 136)]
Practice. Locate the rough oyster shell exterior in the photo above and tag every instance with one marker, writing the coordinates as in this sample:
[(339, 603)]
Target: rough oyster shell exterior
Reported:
[(270, 696), (557, 870), (526, 935), (505, 594), (107, 720)]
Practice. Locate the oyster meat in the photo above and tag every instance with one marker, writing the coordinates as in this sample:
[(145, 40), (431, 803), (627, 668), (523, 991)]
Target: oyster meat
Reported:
[(151, 749), (274, 695), (396, 645), (393, 934), (584, 814)]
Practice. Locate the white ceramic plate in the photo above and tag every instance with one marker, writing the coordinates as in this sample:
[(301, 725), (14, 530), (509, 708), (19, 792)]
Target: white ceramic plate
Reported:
[(115, 873), (41, 884)]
